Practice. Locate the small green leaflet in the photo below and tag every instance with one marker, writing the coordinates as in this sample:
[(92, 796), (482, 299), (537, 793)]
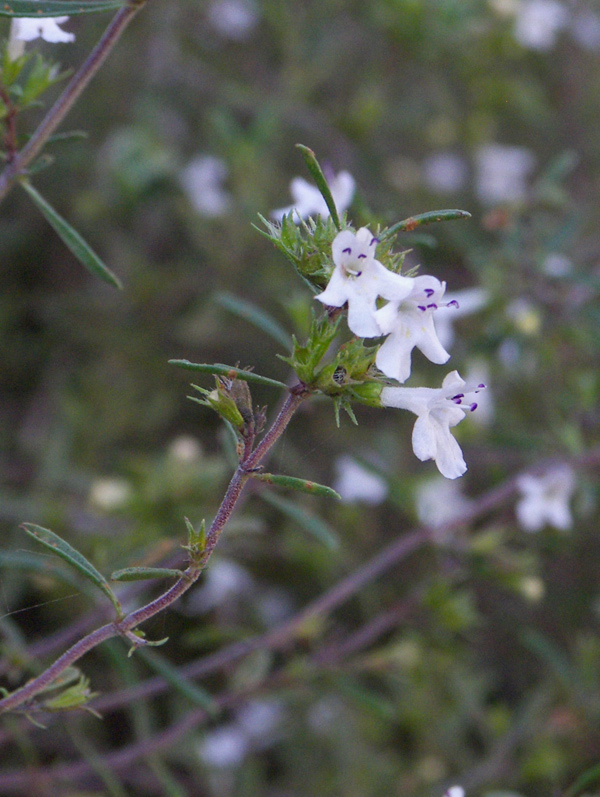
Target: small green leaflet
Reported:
[(293, 483), (315, 169), (62, 548), (228, 370), (431, 217), (143, 573), (71, 238), (56, 8)]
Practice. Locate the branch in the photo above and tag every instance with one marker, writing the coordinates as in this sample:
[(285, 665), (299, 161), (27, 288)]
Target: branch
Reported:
[(63, 104)]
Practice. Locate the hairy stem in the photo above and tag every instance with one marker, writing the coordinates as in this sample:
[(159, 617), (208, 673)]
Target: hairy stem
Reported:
[(124, 626), (63, 104)]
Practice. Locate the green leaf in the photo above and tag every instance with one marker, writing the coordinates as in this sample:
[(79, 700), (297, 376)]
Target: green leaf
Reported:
[(586, 779), (254, 315), (82, 251), (56, 8), (143, 573), (62, 548), (315, 169), (316, 527), (293, 483), (225, 370), (408, 225)]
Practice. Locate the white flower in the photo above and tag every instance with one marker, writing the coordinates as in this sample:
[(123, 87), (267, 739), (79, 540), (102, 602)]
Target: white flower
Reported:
[(457, 305), (25, 29), (539, 22), (355, 483), (233, 19), (445, 172), (309, 202), (438, 409), (408, 324), (455, 791), (224, 747), (359, 279), (545, 499), (502, 173), (202, 179), (110, 494), (439, 502)]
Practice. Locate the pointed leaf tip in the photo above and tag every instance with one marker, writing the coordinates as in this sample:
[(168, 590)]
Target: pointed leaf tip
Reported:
[(71, 238), (71, 555)]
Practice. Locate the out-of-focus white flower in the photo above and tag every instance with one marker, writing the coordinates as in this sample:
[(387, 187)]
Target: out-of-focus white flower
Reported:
[(585, 28), (224, 747), (545, 499), (502, 173), (223, 580), (25, 29), (202, 179), (359, 279), (307, 199), (110, 494), (455, 791), (233, 19), (355, 483), (457, 305), (440, 501), (445, 172), (260, 719), (538, 23), (557, 265), (409, 324), (525, 316), (437, 409), (185, 449)]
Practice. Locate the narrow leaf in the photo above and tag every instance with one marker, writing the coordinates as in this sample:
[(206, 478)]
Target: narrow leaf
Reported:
[(62, 548), (306, 520), (228, 370), (407, 225), (143, 573), (293, 483), (56, 8), (314, 168), (254, 315), (71, 238)]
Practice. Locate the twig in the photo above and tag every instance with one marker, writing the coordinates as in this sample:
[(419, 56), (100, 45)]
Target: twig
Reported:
[(63, 104)]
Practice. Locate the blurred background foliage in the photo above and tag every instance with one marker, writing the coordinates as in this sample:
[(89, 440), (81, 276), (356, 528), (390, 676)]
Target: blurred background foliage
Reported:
[(486, 668)]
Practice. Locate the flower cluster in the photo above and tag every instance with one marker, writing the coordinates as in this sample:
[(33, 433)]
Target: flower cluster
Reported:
[(407, 322)]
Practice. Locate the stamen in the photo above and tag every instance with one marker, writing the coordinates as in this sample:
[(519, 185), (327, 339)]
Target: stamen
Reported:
[(429, 292), (347, 250), (374, 241), (361, 257), (453, 303), (480, 386), (432, 306), (473, 407), (421, 307)]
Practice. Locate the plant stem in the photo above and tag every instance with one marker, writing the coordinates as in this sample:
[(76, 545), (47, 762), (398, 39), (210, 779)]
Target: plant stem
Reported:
[(124, 626), (63, 104)]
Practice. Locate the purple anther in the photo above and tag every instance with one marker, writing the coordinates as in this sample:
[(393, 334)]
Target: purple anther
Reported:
[(421, 307), (358, 273), (432, 306), (473, 407), (361, 256), (374, 241), (453, 303), (429, 292), (481, 386), (347, 250)]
